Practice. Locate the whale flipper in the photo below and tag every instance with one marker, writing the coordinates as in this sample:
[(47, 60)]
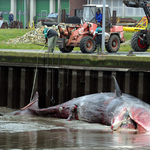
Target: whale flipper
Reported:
[(34, 103)]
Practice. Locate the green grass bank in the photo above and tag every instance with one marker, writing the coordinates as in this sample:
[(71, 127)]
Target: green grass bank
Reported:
[(6, 34)]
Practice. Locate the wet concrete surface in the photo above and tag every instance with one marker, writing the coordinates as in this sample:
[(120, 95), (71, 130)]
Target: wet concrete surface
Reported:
[(145, 54), (32, 132)]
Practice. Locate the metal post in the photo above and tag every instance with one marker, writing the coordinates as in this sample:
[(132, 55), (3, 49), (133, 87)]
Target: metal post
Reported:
[(59, 11), (19, 18), (103, 29), (25, 13), (28, 11), (114, 18), (123, 10), (63, 15)]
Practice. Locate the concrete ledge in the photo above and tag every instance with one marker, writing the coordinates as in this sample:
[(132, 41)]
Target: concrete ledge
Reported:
[(69, 59)]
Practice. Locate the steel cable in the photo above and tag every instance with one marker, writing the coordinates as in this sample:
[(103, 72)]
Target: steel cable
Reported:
[(35, 74)]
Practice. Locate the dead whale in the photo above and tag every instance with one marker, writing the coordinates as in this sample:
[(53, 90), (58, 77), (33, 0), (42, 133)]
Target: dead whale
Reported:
[(117, 110)]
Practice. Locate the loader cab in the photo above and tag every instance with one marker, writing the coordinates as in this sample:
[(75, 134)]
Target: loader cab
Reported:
[(89, 14)]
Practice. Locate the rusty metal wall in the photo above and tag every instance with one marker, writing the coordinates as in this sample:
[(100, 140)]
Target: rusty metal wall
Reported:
[(59, 84)]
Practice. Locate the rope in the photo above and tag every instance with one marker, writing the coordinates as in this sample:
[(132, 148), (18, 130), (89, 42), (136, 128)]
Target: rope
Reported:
[(52, 98), (47, 87), (58, 84), (31, 24), (67, 71), (35, 74)]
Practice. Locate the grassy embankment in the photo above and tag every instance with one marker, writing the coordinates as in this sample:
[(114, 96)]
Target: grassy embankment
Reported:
[(6, 34)]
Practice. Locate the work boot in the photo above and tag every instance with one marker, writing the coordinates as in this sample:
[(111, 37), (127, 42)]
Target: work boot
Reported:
[(52, 50)]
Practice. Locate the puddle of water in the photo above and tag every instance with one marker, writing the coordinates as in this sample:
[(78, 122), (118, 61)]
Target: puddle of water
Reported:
[(32, 132)]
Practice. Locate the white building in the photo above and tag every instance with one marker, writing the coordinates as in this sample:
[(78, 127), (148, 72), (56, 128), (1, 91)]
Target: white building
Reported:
[(25, 10), (120, 8)]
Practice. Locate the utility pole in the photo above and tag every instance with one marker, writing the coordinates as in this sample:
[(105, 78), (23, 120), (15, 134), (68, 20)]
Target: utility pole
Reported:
[(123, 10), (28, 11), (59, 11), (25, 13), (103, 29)]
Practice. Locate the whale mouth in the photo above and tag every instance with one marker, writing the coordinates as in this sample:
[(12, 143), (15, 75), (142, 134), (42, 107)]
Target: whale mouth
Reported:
[(129, 124), (126, 123), (137, 120)]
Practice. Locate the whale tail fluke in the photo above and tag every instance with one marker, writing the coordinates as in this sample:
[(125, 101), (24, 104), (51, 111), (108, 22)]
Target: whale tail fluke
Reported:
[(117, 88)]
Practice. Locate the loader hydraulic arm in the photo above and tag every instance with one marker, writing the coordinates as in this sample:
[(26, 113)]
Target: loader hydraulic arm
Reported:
[(145, 4)]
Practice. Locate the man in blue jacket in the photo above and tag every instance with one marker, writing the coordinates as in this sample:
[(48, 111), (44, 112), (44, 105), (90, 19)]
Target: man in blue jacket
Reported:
[(11, 17), (98, 16), (51, 37)]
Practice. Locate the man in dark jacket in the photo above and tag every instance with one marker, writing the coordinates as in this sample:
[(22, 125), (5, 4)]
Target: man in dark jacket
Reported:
[(51, 37), (11, 17), (98, 36), (1, 16)]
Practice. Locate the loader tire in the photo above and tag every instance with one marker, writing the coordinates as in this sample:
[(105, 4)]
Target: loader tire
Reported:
[(87, 45), (136, 43), (113, 44), (67, 49)]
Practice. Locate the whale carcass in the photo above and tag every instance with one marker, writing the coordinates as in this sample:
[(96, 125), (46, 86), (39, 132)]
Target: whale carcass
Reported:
[(117, 110)]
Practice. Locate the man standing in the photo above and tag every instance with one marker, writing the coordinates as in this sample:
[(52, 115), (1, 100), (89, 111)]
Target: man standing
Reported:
[(1, 16), (98, 35), (99, 16), (51, 37), (11, 17)]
